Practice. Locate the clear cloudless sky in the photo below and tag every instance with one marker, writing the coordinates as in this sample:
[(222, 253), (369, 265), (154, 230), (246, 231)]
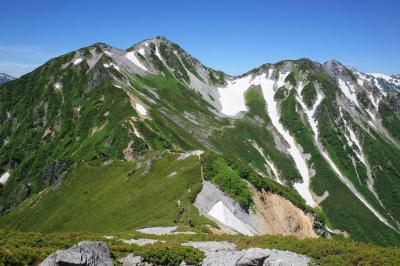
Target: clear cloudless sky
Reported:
[(231, 35)]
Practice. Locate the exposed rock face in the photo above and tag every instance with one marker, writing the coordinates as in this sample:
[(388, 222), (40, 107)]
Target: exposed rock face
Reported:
[(225, 254), (281, 217), (273, 214), (55, 172), (86, 253)]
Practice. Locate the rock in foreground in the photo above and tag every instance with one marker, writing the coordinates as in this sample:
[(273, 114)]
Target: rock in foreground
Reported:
[(225, 254), (86, 253)]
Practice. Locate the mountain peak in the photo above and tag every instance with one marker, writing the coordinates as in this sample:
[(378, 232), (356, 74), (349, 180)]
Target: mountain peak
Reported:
[(5, 78), (161, 37), (155, 40)]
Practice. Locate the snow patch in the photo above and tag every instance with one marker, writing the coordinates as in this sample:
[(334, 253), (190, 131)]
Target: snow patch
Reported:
[(108, 53), (222, 214), (172, 174), (58, 86), (111, 65), (374, 100), (132, 57), (231, 96), (141, 51), (4, 177), (373, 116), (190, 153), (78, 61), (158, 53), (137, 133), (140, 109)]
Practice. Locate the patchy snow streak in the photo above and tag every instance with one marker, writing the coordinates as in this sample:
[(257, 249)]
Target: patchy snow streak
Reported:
[(225, 216), (267, 86), (353, 189), (231, 96), (348, 91), (314, 126), (132, 57), (269, 163), (158, 54), (386, 78), (361, 80), (4, 178), (353, 140), (137, 133)]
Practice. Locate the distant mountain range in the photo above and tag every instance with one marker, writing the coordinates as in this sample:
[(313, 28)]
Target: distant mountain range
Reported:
[(4, 78), (103, 139)]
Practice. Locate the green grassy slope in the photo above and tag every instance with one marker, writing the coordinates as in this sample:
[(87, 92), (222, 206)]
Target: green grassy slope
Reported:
[(116, 197)]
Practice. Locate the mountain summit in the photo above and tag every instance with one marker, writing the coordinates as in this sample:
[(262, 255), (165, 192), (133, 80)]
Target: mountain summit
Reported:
[(149, 136), (5, 78)]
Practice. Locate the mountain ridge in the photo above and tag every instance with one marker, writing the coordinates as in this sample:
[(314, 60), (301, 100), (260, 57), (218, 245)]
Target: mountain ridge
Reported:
[(323, 136)]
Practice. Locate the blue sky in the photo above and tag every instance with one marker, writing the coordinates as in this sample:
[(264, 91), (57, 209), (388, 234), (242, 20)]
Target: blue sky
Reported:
[(233, 36)]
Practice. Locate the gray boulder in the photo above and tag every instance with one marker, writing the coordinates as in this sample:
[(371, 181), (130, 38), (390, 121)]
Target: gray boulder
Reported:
[(225, 254), (86, 253), (132, 260)]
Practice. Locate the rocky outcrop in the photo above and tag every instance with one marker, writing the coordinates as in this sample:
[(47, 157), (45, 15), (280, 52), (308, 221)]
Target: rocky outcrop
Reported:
[(225, 254), (55, 172), (86, 253), (272, 214), (211, 196), (279, 216), (141, 241), (132, 260)]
